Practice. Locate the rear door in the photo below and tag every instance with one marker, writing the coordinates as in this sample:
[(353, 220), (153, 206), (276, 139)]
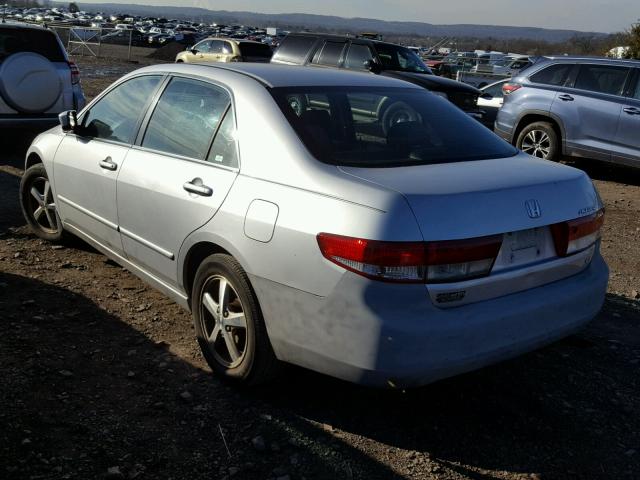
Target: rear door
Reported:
[(87, 164), (330, 54), (177, 176), (628, 135), (590, 107)]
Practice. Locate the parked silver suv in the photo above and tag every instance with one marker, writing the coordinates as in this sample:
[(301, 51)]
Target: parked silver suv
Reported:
[(37, 80), (582, 107)]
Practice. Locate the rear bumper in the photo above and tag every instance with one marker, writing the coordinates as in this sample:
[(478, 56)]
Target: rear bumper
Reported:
[(381, 334), (503, 133)]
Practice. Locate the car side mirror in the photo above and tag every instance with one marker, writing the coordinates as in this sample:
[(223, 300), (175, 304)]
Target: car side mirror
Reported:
[(68, 121), (486, 96), (372, 66), (193, 50)]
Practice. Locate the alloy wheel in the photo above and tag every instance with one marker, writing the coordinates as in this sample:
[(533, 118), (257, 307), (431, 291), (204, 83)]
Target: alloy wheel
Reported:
[(223, 321), (537, 143), (42, 205)]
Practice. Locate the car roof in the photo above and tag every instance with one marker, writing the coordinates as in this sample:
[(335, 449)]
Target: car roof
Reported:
[(236, 40), (582, 59), (22, 26), (333, 36), (275, 75)]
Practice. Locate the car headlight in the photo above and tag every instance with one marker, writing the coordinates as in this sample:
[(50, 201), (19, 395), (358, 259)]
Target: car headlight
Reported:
[(441, 94)]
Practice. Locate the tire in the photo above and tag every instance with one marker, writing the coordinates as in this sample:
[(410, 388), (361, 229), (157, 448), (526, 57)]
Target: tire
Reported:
[(253, 361), (397, 112), (38, 206), (539, 139)]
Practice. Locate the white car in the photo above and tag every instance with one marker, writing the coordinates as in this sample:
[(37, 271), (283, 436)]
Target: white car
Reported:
[(277, 205)]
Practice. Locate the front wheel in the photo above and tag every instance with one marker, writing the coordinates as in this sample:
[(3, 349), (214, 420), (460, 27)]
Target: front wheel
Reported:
[(229, 324), (539, 139), (38, 204)]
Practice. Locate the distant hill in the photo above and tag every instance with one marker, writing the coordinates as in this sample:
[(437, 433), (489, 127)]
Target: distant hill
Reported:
[(339, 24)]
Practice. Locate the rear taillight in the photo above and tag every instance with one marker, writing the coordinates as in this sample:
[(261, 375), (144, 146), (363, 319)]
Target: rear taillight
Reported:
[(508, 88), (576, 235), (412, 262), (75, 73)]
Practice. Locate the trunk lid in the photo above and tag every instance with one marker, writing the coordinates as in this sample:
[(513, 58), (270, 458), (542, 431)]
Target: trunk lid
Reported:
[(485, 197)]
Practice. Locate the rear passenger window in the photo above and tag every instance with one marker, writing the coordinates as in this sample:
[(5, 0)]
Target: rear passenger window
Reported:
[(187, 114), (553, 75), (330, 54), (224, 150), (357, 56), (602, 79), (115, 116), (636, 95), (294, 49)]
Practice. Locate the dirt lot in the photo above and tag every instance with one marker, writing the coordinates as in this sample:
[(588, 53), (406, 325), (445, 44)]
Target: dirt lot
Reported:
[(101, 378)]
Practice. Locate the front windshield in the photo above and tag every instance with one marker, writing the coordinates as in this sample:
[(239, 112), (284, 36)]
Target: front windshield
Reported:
[(385, 127), (394, 57)]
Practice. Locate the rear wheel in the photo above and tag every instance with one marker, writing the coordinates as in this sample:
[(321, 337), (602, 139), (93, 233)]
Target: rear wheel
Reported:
[(539, 139), (229, 324), (38, 204)]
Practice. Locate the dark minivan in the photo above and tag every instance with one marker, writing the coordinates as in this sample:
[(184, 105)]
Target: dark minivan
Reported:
[(383, 58)]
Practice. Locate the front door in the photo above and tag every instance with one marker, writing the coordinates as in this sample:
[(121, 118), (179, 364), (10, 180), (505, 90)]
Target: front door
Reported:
[(628, 136), (177, 178), (88, 162), (590, 109)]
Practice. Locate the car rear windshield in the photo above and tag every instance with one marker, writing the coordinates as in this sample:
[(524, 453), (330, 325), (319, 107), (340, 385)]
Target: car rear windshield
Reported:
[(255, 50), (15, 40), (388, 127)]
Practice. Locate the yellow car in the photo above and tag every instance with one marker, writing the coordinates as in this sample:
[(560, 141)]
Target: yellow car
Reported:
[(225, 50)]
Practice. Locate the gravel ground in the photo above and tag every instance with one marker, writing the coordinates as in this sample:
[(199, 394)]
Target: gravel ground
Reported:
[(101, 378)]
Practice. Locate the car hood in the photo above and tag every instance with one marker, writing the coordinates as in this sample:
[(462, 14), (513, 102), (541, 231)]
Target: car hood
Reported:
[(432, 82), (486, 197)]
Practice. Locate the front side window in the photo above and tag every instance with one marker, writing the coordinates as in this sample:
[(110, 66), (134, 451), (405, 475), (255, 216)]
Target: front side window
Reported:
[(636, 94), (553, 75), (204, 47), (394, 57), (602, 79), (115, 116), (330, 54), (185, 118), (357, 57), (385, 127)]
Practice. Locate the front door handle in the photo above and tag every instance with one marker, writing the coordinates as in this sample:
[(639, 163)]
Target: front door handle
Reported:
[(196, 186), (565, 98), (632, 110), (108, 164)]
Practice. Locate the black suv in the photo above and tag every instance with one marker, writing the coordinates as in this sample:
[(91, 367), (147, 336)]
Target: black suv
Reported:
[(388, 59)]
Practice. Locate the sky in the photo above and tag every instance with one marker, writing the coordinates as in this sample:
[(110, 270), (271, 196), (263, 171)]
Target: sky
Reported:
[(586, 15)]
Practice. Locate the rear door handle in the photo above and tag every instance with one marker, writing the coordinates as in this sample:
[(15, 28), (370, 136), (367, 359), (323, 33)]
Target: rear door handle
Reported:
[(196, 186), (565, 98), (632, 110), (108, 164)]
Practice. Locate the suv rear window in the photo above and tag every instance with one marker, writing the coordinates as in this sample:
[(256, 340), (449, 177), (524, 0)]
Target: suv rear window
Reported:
[(385, 127), (294, 49), (552, 75), (254, 50), (15, 40)]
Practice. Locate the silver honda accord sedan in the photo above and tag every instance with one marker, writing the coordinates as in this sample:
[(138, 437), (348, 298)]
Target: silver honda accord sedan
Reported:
[(348, 223)]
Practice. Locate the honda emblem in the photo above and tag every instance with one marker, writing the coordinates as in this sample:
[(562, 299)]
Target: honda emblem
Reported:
[(533, 208)]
